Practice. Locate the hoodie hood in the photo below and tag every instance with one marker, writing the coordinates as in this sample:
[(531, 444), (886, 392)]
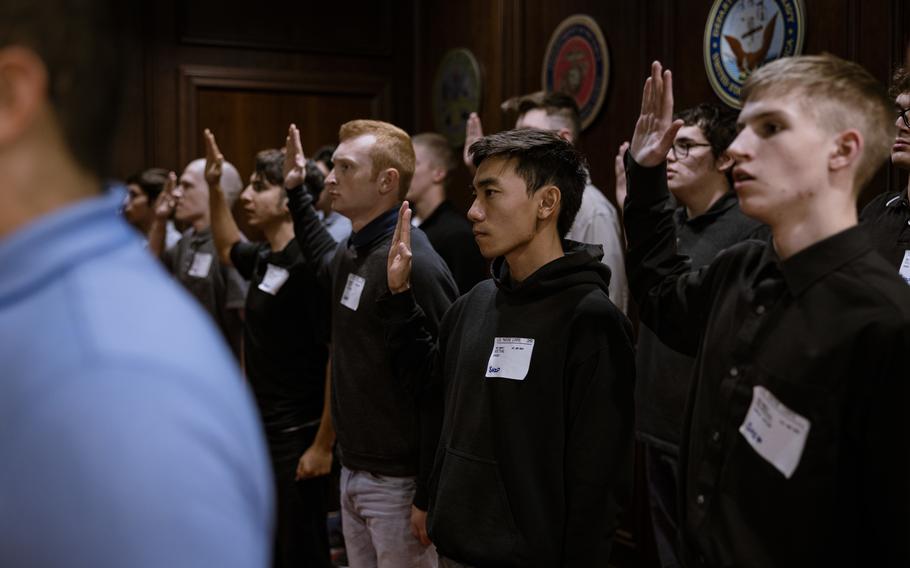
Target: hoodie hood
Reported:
[(580, 265)]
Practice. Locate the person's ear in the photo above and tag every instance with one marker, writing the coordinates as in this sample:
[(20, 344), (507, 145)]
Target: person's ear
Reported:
[(388, 181), (566, 135), (439, 175), (548, 205), (23, 90), (724, 162), (848, 146)]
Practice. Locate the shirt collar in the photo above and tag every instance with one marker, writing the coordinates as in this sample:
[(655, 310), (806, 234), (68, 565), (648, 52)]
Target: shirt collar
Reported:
[(824, 257), (898, 200), (54, 243), (378, 227), (719, 207)]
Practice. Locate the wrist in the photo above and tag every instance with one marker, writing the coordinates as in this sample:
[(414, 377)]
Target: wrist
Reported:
[(400, 289)]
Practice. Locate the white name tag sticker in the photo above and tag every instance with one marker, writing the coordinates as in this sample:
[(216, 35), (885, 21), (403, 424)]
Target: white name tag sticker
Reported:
[(905, 267), (774, 431), (350, 298), (511, 358), (274, 279), (202, 263)]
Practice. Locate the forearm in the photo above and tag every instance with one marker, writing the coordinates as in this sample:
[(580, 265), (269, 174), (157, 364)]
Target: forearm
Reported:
[(325, 436), (315, 241), (156, 236), (224, 229)]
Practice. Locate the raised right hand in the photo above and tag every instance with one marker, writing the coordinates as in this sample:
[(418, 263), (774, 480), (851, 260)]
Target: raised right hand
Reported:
[(655, 130), (165, 203), (473, 131), (294, 160), (399, 263)]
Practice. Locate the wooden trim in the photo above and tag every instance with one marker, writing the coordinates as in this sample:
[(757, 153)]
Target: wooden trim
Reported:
[(193, 77)]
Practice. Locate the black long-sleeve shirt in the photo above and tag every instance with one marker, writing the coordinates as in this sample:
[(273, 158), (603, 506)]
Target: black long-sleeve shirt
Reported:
[(450, 234), (378, 424), (815, 346), (887, 221)]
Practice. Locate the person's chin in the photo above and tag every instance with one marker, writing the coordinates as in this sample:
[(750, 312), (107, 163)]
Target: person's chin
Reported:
[(901, 159)]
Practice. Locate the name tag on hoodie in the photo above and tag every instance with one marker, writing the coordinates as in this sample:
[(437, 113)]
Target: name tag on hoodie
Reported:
[(511, 358), (774, 431)]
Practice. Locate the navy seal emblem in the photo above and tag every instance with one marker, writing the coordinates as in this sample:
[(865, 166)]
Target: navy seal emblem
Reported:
[(741, 35)]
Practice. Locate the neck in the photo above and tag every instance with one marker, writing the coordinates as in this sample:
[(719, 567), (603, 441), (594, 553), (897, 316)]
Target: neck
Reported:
[(358, 222), (431, 200), (200, 223), (524, 261), (35, 185), (907, 190), (701, 201), (279, 235), (823, 220)]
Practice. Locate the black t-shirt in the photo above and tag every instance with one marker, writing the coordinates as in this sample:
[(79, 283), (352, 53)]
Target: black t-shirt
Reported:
[(285, 335)]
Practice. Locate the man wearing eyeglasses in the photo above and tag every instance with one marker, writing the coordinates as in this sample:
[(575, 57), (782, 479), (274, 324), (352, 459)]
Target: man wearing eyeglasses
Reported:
[(887, 217), (708, 220)]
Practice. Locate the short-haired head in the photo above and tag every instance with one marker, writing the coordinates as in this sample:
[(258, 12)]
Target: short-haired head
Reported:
[(900, 83), (150, 181), (439, 149), (231, 183), (392, 149), (839, 94), (540, 158), (560, 108), (716, 122), (82, 45)]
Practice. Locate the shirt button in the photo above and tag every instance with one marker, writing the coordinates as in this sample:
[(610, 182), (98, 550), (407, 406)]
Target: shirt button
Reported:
[(715, 436), (700, 499), (734, 372), (760, 310)]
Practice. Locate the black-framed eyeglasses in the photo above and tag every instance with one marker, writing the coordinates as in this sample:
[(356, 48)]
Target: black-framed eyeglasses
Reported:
[(903, 114), (681, 149)]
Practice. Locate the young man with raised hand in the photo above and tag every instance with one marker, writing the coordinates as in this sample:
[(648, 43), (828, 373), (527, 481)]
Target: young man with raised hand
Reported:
[(285, 334), (379, 424), (127, 440), (887, 217), (796, 431), (707, 220), (536, 368)]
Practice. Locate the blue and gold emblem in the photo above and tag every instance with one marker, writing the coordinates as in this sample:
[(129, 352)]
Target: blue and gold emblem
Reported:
[(742, 35), (456, 94)]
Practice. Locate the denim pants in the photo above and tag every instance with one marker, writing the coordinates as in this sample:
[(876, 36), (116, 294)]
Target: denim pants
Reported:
[(376, 520)]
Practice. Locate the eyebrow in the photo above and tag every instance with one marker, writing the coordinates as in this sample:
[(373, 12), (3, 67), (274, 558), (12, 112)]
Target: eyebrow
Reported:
[(484, 182), (740, 123), (690, 140)]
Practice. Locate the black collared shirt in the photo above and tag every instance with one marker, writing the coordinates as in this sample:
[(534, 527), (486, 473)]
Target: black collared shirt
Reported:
[(450, 234), (826, 333), (887, 221)]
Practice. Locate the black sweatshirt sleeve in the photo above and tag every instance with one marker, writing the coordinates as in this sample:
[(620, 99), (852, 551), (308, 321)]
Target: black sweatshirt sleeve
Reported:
[(314, 239), (599, 443), (673, 300), (417, 362)]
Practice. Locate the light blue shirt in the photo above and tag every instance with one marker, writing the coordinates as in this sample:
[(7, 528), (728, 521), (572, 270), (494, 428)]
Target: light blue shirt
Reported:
[(127, 435)]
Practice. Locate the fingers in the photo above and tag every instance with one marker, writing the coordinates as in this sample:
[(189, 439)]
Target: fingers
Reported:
[(667, 102), (171, 183), (212, 153), (405, 236), (295, 141), (666, 141)]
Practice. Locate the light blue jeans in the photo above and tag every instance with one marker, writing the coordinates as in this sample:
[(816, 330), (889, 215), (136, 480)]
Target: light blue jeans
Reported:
[(376, 520)]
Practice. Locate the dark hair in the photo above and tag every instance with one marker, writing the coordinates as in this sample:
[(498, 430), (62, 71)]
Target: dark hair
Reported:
[(315, 181), (900, 83), (83, 45), (717, 123), (324, 155), (270, 166), (560, 105), (150, 181), (541, 158)]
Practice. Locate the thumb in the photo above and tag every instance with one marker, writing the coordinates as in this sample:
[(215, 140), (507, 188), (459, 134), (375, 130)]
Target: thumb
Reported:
[(670, 135)]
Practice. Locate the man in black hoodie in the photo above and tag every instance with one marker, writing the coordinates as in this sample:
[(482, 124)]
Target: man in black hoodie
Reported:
[(536, 367)]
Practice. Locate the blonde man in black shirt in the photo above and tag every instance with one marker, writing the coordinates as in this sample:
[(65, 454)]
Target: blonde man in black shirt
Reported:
[(796, 437)]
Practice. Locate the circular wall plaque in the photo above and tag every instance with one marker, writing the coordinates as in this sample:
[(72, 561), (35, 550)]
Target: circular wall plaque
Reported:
[(456, 94), (577, 62), (742, 35)]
